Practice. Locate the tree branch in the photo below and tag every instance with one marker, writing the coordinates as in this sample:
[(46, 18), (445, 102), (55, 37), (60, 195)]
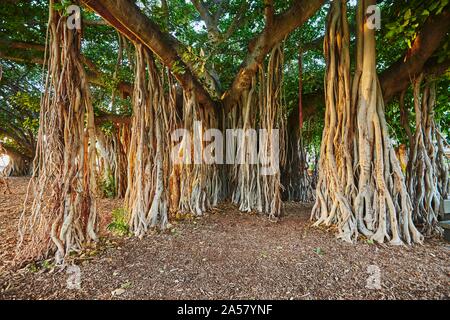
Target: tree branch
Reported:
[(398, 77), (283, 24), (126, 17), (269, 12), (210, 20), (95, 76)]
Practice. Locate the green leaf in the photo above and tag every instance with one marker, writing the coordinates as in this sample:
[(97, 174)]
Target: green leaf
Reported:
[(408, 41), (390, 34), (319, 251), (407, 15)]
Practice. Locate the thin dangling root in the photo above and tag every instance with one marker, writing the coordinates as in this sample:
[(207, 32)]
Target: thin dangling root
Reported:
[(158, 185)]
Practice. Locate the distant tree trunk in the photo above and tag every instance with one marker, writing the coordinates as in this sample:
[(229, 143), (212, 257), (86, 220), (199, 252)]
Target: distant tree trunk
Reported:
[(4, 173), (295, 179), (63, 215), (20, 164), (425, 181), (113, 152)]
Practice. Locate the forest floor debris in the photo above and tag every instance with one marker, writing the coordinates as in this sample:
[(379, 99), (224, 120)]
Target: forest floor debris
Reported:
[(228, 255)]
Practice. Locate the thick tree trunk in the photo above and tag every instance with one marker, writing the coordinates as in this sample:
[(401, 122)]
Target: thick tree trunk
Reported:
[(336, 186), (163, 177), (20, 164), (380, 208), (146, 198)]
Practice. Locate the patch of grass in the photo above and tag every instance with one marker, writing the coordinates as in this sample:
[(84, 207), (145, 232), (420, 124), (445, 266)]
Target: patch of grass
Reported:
[(47, 264), (126, 285), (33, 267), (119, 223), (319, 251), (37, 266)]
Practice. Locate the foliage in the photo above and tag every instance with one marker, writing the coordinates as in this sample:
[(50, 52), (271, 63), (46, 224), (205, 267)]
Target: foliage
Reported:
[(119, 223), (410, 17), (108, 186)]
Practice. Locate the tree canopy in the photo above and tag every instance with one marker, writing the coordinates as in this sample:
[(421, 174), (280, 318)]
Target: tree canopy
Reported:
[(217, 40)]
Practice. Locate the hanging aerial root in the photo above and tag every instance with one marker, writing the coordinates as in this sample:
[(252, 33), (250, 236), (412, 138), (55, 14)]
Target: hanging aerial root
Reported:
[(63, 213), (254, 186), (200, 183), (295, 177), (158, 186), (146, 195)]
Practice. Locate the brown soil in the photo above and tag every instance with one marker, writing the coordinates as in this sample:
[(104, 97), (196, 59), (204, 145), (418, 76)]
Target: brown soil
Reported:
[(229, 255)]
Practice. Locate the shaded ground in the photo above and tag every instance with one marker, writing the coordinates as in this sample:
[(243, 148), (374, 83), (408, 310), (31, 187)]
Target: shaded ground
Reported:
[(231, 255)]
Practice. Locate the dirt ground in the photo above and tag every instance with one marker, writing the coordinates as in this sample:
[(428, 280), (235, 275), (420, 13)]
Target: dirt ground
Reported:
[(229, 255)]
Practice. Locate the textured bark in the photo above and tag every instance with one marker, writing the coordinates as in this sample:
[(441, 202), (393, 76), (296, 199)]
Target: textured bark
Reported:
[(336, 185), (5, 173), (158, 185), (252, 190), (146, 195)]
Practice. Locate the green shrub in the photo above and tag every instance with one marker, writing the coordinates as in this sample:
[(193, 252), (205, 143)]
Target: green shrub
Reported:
[(108, 186), (119, 223)]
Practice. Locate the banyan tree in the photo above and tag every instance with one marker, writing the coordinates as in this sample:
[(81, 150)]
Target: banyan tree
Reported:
[(254, 103)]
